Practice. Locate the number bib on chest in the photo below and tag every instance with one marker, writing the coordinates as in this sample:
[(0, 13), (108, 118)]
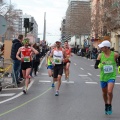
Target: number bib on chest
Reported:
[(108, 68), (57, 61), (27, 59)]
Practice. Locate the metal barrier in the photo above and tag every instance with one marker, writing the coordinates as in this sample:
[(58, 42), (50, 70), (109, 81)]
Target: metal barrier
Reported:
[(7, 74)]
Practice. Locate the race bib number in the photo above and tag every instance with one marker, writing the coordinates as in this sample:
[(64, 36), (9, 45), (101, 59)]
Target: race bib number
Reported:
[(57, 61), (108, 68), (26, 59)]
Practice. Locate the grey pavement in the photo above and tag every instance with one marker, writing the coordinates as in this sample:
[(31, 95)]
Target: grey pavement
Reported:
[(80, 99)]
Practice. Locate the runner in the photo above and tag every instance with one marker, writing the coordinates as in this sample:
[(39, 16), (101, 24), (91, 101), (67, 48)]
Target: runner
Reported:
[(26, 57), (49, 64), (58, 55), (67, 60), (106, 61)]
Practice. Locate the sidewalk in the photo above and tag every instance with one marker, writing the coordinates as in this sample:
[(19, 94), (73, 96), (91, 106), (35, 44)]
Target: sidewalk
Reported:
[(7, 80)]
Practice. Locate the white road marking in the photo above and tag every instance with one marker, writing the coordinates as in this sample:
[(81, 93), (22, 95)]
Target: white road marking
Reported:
[(18, 95), (13, 88), (91, 65), (75, 64), (7, 95), (44, 73), (44, 81), (91, 82), (82, 75), (67, 81), (89, 74), (98, 75), (117, 83), (118, 76), (81, 68), (41, 63)]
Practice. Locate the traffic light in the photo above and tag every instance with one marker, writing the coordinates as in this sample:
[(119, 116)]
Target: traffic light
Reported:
[(26, 22), (30, 26)]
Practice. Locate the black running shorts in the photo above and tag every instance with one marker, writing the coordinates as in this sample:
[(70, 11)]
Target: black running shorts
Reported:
[(26, 65), (58, 70)]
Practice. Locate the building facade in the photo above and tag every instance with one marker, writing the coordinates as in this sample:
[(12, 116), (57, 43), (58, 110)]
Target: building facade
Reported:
[(78, 20)]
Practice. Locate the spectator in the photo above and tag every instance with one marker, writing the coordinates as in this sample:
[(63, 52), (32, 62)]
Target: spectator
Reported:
[(36, 59), (17, 43)]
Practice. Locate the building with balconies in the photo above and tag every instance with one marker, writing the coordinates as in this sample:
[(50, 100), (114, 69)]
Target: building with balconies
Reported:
[(78, 20)]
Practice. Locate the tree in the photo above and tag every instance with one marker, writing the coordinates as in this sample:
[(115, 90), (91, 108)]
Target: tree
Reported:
[(10, 14)]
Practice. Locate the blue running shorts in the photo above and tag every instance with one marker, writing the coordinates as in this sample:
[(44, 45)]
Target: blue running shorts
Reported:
[(104, 84), (50, 67)]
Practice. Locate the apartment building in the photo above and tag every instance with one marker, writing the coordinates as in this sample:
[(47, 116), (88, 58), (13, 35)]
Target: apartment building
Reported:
[(106, 21), (78, 20)]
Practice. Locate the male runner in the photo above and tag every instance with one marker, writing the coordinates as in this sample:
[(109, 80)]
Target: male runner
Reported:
[(106, 61), (58, 55), (67, 60)]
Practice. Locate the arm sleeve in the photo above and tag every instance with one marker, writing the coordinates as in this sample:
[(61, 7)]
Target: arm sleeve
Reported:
[(96, 64)]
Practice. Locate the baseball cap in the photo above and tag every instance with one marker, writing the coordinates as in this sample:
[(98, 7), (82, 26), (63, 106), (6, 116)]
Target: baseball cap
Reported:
[(58, 41), (105, 43)]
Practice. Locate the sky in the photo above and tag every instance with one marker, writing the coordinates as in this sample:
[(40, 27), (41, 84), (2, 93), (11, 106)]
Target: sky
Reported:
[(55, 12)]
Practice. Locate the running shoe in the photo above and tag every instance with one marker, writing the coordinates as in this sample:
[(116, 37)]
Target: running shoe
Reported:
[(57, 93), (109, 112), (106, 108), (24, 91), (53, 85), (67, 78)]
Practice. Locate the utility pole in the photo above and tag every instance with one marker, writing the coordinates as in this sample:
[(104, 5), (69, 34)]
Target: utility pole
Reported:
[(9, 21), (44, 29)]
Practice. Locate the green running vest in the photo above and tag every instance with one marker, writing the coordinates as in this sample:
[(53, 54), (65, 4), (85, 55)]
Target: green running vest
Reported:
[(48, 61), (108, 70)]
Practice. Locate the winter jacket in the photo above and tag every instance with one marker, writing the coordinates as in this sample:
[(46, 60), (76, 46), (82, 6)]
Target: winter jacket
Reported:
[(15, 46)]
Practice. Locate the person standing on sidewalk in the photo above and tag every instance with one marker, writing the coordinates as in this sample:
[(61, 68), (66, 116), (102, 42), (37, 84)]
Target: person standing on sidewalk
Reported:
[(26, 52), (17, 43), (58, 55), (106, 61)]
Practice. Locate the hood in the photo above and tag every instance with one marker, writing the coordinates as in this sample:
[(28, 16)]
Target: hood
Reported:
[(15, 40)]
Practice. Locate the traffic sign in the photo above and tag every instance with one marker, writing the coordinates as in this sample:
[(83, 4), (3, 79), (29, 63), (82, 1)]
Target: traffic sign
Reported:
[(3, 25)]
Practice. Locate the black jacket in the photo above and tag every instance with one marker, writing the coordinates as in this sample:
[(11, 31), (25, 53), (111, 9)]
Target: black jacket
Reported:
[(15, 46)]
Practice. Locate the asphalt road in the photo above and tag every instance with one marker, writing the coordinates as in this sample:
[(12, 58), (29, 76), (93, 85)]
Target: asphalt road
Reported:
[(79, 99)]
